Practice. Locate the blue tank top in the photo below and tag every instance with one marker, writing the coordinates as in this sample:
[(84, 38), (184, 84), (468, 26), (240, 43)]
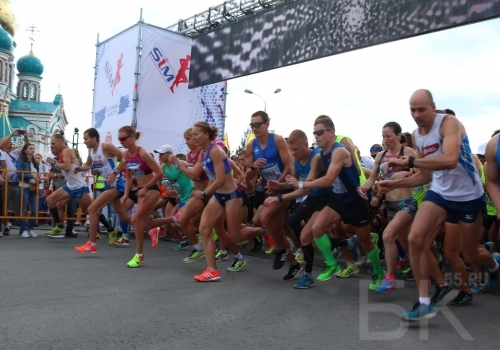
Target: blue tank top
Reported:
[(303, 171), (497, 156), (208, 166), (347, 182), (274, 167)]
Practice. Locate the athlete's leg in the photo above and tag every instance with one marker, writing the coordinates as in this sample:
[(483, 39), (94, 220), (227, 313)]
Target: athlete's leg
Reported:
[(398, 226), (211, 214), (472, 252), (94, 211), (142, 216)]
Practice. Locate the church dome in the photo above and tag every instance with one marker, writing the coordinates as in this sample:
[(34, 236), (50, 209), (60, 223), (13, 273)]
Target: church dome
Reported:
[(30, 65), (5, 40)]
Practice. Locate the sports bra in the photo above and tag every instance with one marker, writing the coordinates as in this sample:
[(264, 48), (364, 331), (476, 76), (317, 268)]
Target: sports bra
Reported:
[(386, 158), (136, 165), (208, 166), (192, 161)]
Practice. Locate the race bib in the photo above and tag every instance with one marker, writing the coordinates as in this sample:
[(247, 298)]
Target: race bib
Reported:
[(134, 167), (271, 172)]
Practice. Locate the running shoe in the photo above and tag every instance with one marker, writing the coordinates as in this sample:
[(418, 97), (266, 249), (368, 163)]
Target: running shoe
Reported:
[(401, 264), (300, 257), (362, 261), (374, 238), (387, 286), (493, 281), (292, 272), (377, 281), (162, 233), (271, 250), (259, 244), (305, 282), (490, 246), (25, 234), (56, 232), (420, 312), (181, 246), (153, 235), (112, 236), (122, 242), (237, 265), (462, 299), (441, 291), (87, 248), (350, 270), (221, 256), (208, 275), (279, 259), (136, 261), (478, 288), (32, 233), (195, 255), (328, 272)]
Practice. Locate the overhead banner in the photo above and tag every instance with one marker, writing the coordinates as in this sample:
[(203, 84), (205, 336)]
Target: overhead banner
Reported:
[(114, 84), (166, 106)]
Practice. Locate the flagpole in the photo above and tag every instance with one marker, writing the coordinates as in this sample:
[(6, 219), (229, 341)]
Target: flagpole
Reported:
[(137, 72)]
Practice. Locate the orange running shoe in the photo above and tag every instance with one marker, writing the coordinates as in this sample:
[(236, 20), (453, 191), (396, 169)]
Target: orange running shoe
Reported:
[(208, 275), (153, 235), (87, 248)]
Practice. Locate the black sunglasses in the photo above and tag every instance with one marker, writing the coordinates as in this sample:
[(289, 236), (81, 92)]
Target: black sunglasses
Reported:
[(256, 125), (320, 132)]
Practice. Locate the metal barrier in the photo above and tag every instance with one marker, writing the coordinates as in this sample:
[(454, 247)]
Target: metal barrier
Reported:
[(20, 185)]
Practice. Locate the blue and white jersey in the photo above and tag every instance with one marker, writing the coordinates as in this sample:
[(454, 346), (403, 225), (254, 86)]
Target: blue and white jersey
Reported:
[(460, 184), (105, 165)]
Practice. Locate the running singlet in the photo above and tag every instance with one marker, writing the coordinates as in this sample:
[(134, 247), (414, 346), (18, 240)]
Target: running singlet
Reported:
[(490, 206), (460, 184), (136, 165), (183, 185), (386, 158), (192, 161), (274, 167), (208, 166), (347, 182), (303, 171), (362, 177), (105, 165), (497, 156), (73, 181)]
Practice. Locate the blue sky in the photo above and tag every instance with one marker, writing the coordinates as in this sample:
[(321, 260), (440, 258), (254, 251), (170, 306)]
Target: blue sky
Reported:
[(360, 90)]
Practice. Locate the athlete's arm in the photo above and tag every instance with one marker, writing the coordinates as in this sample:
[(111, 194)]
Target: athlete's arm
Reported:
[(491, 171), (339, 157), (314, 171), (237, 171), (192, 174), (86, 166), (153, 165), (67, 154), (368, 184), (286, 157), (217, 156), (250, 173), (111, 151), (451, 134), (421, 177), (347, 142), (477, 164)]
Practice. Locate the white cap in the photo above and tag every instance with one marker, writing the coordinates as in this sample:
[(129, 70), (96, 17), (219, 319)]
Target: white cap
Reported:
[(165, 149), (482, 149)]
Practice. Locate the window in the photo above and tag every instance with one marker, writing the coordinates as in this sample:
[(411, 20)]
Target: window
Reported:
[(25, 91), (32, 92)]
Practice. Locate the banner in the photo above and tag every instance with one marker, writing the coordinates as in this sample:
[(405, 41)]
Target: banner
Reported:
[(114, 84), (166, 106)]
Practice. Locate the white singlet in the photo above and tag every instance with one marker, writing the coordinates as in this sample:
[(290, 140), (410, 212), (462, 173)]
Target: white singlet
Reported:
[(103, 164), (460, 184)]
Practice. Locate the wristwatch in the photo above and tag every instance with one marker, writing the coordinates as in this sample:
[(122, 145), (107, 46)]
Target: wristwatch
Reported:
[(280, 197), (117, 171), (203, 194), (301, 185), (53, 162), (252, 167)]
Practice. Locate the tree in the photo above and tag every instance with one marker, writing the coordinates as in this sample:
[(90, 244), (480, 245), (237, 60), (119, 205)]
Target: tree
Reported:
[(243, 144)]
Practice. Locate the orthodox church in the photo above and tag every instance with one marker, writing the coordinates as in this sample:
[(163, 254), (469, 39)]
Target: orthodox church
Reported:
[(21, 107)]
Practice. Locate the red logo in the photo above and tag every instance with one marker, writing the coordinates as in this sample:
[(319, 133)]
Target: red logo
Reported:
[(109, 138), (181, 76), (430, 149)]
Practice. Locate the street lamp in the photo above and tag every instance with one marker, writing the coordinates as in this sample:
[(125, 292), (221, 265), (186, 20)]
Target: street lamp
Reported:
[(75, 136), (277, 91)]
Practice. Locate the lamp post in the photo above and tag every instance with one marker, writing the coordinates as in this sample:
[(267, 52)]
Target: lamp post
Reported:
[(277, 91), (75, 136)]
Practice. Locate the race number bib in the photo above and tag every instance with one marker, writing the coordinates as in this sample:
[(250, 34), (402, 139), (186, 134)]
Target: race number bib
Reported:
[(271, 172)]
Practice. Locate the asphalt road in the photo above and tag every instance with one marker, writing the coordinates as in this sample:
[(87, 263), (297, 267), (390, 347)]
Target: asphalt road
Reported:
[(54, 298)]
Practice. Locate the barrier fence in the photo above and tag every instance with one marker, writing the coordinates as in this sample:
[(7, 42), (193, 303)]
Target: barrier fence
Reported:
[(40, 185)]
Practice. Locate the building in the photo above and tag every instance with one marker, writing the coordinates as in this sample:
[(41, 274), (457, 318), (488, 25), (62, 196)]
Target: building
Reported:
[(21, 107)]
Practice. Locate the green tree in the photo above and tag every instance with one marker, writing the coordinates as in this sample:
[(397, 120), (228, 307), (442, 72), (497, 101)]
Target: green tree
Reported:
[(243, 143)]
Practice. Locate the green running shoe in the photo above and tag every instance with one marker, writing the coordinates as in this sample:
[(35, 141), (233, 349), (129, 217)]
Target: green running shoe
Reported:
[(377, 281), (136, 261), (56, 232), (112, 236), (328, 272), (350, 270), (237, 265), (195, 255)]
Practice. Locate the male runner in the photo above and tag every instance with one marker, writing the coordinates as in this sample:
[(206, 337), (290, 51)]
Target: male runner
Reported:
[(492, 167), (103, 157), (76, 187), (456, 195)]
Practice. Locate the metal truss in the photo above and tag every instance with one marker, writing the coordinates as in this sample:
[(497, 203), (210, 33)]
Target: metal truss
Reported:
[(216, 16)]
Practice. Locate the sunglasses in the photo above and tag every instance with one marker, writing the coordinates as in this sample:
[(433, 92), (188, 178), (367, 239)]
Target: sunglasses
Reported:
[(256, 125), (123, 139), (320, 132)]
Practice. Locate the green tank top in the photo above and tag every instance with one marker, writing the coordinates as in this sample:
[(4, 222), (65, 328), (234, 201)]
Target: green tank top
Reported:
[(490, 206), (184, 184), (418, 194), (362, 177)]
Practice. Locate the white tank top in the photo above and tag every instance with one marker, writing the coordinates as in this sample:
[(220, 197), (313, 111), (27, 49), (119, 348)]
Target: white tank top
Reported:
[(100, 162), (74, 181), (460, 184)]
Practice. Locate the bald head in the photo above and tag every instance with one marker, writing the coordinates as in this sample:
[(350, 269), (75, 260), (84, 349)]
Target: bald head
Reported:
[(423, 108), (423, 95)]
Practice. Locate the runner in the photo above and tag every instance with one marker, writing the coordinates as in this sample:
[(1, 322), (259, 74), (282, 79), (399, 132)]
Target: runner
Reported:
[(181, 76), (145, 173), (104, 157), (76, 187), (492, 170), (455, 194), (344, 203), (401, 206), (269, 154)]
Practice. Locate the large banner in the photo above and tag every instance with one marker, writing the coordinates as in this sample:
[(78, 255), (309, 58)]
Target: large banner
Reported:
[(305, 30), (166, 106), (114, 84)]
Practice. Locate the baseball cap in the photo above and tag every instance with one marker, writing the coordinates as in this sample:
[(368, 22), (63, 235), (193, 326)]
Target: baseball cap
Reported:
[(165, 149), (376, 148), (482, 149)]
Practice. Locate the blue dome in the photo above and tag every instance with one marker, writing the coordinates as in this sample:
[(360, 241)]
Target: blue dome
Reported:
[(5, 40), (30, 65)]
